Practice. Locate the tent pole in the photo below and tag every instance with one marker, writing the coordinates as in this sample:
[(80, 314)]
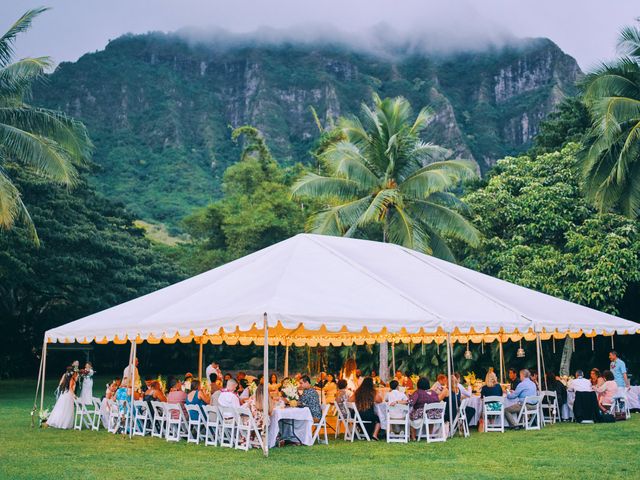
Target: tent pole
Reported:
[(393, 357), (35, 398), (44, 372), (501, 359), (200, 361), (449, 351), (544, 368), (132, 376), (286, 359), (538, 360), (265, 386)]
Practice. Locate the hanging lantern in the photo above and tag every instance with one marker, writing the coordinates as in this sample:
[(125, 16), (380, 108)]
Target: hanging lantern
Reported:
[(520, 353), (467, 353)]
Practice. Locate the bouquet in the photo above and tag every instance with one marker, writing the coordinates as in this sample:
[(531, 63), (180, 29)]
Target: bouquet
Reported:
[(290, 392), (43, 415), (252, 388), (414, 380), (470, 378)]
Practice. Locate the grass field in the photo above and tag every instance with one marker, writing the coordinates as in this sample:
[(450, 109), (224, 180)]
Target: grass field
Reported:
[(561, 451)]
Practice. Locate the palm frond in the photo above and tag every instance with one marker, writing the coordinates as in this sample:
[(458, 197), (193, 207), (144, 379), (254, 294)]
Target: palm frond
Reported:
[(403, 230), (629, 41), (17, 78), (321, 187), (13, 209), (345, 159), (379, 205), (438, 245), (447, 222), (21, 25)]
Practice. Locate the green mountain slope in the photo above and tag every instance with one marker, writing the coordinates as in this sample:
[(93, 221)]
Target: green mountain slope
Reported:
[(160, 109)]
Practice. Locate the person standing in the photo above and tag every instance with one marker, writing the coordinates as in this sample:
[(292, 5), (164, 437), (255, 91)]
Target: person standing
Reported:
[(63, 411), (619, 370), (86, 396), (213, 367)]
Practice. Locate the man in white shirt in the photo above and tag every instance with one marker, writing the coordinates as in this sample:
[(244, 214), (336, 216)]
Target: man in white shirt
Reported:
[(213, 367), (228, 397), (395, 396), (580, 384), (127, 374)]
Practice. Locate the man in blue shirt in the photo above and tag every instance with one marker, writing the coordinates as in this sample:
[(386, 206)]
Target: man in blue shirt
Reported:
[(619, 370), (526, 388)]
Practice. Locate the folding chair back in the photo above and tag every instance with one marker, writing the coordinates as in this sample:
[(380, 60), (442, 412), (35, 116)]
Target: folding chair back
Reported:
[(549, 406), (341, 420), (177, 426), (530, 416), (227, 419), (113, 425), (96, 420), (433, 423), (247, 433), (355, 424), (141, 418), (195, 421), (212, 423), (493, 414), (159, 418), (461, 422), (78, 419), (397, 423), (320, 425)]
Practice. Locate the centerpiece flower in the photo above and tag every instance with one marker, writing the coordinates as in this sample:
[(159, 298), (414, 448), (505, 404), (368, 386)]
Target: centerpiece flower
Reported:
[(290, 392)]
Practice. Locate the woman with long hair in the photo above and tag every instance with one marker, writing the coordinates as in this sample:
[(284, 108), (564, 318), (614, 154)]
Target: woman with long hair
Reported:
[(349, 373), (62, 413), (365, 398)]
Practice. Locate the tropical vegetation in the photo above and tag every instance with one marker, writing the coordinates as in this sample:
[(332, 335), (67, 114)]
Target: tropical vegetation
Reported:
[(41, 140), (611, 159), (384, 182)]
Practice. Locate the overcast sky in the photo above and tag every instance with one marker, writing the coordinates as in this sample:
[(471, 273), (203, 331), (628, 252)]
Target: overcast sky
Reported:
[(586, 29)]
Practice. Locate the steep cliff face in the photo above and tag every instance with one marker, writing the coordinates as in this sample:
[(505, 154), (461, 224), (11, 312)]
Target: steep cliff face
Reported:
[(160, 110)]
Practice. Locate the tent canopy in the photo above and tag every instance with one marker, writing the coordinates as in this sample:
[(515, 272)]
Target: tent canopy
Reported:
[(321, 290)]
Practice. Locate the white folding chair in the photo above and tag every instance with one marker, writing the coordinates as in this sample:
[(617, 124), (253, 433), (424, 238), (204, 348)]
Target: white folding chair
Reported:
[(114, 423), (493, 419), (433, 423), (247, 433), (159, 419), (531, 418), (461, 422), (196, 422), (620, 404), (397, 419), (321, 425), (142, 423), (355, 424), (96, 413), (227, 424), (78, 419), (340, 420), (177, 426), (211, 425), (550, 405)]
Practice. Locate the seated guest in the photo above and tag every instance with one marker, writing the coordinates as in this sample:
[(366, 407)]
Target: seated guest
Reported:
[(417, 401), (491, 388), (322, 380), (154, 393), (514, 380), (456, 401), (365, 398), (147, 383), (228, 396), (395, 396), (535, 379), (226, 378), (595, 378), (330, 389), (309, 397), (555, 385), (376, 379), (241, 376), (359, 377), (526, 388), (440, 383), (197, 397), (465, 392), (213, 382), (579, 384), (342, 397), (606, 391), (243, 390), (176, 395), (188, 377)]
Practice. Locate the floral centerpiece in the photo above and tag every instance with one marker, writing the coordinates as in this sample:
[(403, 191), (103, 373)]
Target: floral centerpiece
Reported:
[(253, 387), (162, 382), (290, 392), (414, 380), (565, 379)]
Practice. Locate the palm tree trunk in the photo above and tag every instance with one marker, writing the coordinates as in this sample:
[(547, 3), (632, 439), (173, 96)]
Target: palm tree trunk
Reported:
[(565, 361)]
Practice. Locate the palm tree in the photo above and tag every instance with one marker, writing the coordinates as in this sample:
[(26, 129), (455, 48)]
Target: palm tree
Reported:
[(383, 181), (610, 161), (44, 141)]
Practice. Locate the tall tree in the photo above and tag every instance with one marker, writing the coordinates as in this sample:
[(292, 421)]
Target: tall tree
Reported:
[(382, 181), (611, 159), (45, 141)]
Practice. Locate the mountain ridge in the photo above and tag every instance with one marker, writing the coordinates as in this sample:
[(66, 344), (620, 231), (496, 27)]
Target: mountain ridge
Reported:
[(159, 108)]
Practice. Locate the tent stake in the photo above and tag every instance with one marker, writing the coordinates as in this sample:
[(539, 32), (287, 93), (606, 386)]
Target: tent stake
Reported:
[(265, 386)]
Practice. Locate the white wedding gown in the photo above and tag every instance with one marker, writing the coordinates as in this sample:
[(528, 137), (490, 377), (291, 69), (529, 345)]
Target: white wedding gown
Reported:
[(86, 396), (62, 414)]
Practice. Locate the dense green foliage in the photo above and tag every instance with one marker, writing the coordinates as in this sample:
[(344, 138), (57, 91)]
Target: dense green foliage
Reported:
[(47, 141), (567, 124), (91, 257), (611, 160), (384, 183), (568, 451), (159, 108), (255, 211)]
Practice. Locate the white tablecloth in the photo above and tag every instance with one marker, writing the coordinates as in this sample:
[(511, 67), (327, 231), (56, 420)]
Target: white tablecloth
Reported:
[(302, 424), (633, 395)]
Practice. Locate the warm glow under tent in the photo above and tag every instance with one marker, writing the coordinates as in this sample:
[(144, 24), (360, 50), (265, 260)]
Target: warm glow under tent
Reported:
[(321, 290)]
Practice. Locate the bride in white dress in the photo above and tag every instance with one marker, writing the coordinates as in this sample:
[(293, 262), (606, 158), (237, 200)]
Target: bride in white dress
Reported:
[(86, 395), (62, 413)]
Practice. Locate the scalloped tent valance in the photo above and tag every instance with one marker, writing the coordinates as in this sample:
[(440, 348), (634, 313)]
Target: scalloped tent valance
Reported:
[(320, 290)]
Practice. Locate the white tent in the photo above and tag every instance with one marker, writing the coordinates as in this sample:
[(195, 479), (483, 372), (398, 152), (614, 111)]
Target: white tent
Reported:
[(320, 290), (331, 290)]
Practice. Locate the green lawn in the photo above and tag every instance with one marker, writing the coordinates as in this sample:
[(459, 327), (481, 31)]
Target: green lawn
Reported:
[(561, 451)]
